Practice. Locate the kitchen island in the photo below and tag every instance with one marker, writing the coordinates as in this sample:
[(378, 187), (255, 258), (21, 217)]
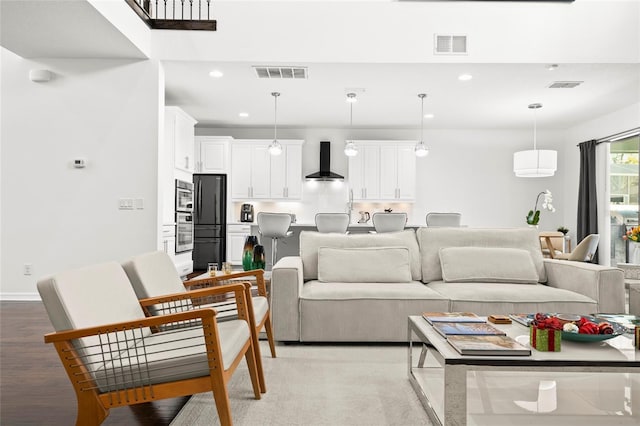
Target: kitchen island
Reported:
[(290, 246)]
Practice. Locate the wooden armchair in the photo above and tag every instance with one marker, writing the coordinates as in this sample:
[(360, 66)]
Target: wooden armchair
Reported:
[(258, 294), (113, 359), (153, 275)]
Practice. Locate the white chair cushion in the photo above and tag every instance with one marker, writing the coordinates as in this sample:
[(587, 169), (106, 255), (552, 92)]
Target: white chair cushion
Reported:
[(153, 274), (370, 264), (172, 355), (487, 264)]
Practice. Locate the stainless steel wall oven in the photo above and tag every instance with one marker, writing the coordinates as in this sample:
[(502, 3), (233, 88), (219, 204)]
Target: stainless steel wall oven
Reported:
[(184, 232)]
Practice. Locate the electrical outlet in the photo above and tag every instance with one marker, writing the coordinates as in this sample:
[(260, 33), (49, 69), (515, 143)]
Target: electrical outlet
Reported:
[(27, 269)]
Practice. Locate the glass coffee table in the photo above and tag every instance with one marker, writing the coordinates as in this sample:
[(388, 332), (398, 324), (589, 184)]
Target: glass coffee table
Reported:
[(584, 384)]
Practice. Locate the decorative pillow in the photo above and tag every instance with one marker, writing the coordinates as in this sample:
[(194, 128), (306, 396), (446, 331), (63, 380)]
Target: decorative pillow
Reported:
[(487, 264), (367, 264), (311, 241)]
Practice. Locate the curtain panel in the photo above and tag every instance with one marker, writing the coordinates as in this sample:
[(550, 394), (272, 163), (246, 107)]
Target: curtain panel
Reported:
[(587, 222)]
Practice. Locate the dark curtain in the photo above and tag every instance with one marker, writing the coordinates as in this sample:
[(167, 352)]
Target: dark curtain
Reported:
[(587, 202)]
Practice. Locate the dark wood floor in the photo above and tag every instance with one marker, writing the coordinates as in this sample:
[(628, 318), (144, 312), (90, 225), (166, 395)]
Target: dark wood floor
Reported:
[(34, 389)]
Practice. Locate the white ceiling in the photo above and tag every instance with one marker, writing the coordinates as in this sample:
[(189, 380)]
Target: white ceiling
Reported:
[(496, 97)]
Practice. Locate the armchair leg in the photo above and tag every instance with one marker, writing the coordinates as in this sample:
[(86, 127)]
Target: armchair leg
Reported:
[(221, 397), (90, 410), (250, 357), (257, 362), (269, 330)]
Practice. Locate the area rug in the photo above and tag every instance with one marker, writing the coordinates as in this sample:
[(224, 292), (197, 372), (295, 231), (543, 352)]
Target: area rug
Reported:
[(319, 384)]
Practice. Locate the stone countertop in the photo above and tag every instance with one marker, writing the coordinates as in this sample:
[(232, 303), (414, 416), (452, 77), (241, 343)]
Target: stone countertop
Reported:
[(313, 225)]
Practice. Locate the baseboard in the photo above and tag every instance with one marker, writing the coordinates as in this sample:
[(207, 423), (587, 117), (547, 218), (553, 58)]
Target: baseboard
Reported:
[(20, 297)]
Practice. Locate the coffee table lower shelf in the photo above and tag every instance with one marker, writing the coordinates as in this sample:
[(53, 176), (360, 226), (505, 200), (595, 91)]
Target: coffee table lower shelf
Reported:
[(541, 389)]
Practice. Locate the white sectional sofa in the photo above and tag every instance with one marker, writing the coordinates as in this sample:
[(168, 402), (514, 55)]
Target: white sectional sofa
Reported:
[(362, 287)]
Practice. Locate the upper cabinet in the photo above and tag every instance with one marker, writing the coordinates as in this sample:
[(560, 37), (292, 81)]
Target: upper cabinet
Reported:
[(383, 171), (364, 171), (212, 154), (286, 172), (255, 174), (180, 133)]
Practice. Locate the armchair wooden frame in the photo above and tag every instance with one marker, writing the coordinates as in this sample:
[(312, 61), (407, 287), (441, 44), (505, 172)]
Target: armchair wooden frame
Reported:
[(258, 274), (94, 402)]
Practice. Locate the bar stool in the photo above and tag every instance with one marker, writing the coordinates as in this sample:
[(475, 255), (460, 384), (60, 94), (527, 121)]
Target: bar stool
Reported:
[(443, 219), (389, 222), (332, 222), (274, 226)]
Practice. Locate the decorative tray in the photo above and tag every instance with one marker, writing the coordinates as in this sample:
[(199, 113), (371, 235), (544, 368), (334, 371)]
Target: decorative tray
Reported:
[(580, 337)]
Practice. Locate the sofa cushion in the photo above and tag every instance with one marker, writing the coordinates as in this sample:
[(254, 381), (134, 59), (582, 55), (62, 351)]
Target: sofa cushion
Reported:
[(487, 264), (503, 298), (311, 241), (431, 240), (366, 264)]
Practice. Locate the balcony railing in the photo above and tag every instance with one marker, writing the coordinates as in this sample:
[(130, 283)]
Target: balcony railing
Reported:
[(175, 14)]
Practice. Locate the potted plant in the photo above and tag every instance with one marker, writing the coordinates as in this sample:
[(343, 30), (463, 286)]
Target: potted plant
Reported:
[(564, 230), (533, 217)]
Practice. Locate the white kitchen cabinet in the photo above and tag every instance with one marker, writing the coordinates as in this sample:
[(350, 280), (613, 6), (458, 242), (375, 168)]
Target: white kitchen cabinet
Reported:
[(286, 172), (212, 154), (180, 132), (250, 170), (383, 171), (364, 173), (398, 172), (257, 175), (236, 236), (168, 241)]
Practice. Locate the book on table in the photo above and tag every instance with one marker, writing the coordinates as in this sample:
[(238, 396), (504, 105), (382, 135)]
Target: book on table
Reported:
[(447, 329), (433, 317), (524, 319), (488, 345)]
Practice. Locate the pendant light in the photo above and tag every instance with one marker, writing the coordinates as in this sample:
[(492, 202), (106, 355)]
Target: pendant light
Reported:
[(275, 148), (350, 148), (535, 162), (421, 149)]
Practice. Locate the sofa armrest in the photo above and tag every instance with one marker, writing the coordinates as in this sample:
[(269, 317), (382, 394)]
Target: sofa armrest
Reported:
[(286, 286), (604, 284)]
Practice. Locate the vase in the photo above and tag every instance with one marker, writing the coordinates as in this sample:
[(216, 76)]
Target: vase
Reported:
[(258, 257), (247, 252)]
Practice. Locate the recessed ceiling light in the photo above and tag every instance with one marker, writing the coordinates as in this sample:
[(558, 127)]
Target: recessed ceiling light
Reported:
[(216, 74), (429, 116), (552, 67), (465, 77), (243, 114)]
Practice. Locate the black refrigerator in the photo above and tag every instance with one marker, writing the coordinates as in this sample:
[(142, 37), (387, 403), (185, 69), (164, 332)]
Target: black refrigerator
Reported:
[(209, 220)]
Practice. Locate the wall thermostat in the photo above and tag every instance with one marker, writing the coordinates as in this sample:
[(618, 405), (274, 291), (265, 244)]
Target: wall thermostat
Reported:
[(79, 163)]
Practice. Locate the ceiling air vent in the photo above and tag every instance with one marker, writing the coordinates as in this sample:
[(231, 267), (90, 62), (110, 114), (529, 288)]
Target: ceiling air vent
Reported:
[(280, 72), (450, 44), (565, 84)]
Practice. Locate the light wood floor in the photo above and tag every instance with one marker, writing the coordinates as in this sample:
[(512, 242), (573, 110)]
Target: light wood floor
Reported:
[(34, 389)]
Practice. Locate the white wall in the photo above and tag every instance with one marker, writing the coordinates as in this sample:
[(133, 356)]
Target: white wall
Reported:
[(54, 216), (469, 171)]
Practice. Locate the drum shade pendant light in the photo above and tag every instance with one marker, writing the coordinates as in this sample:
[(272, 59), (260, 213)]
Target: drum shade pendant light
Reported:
[(350, 148), (535, 162), (275, 148), (421, 149)]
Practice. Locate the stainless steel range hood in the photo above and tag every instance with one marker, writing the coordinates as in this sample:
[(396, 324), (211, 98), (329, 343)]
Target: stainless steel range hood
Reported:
[(325, 172)]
